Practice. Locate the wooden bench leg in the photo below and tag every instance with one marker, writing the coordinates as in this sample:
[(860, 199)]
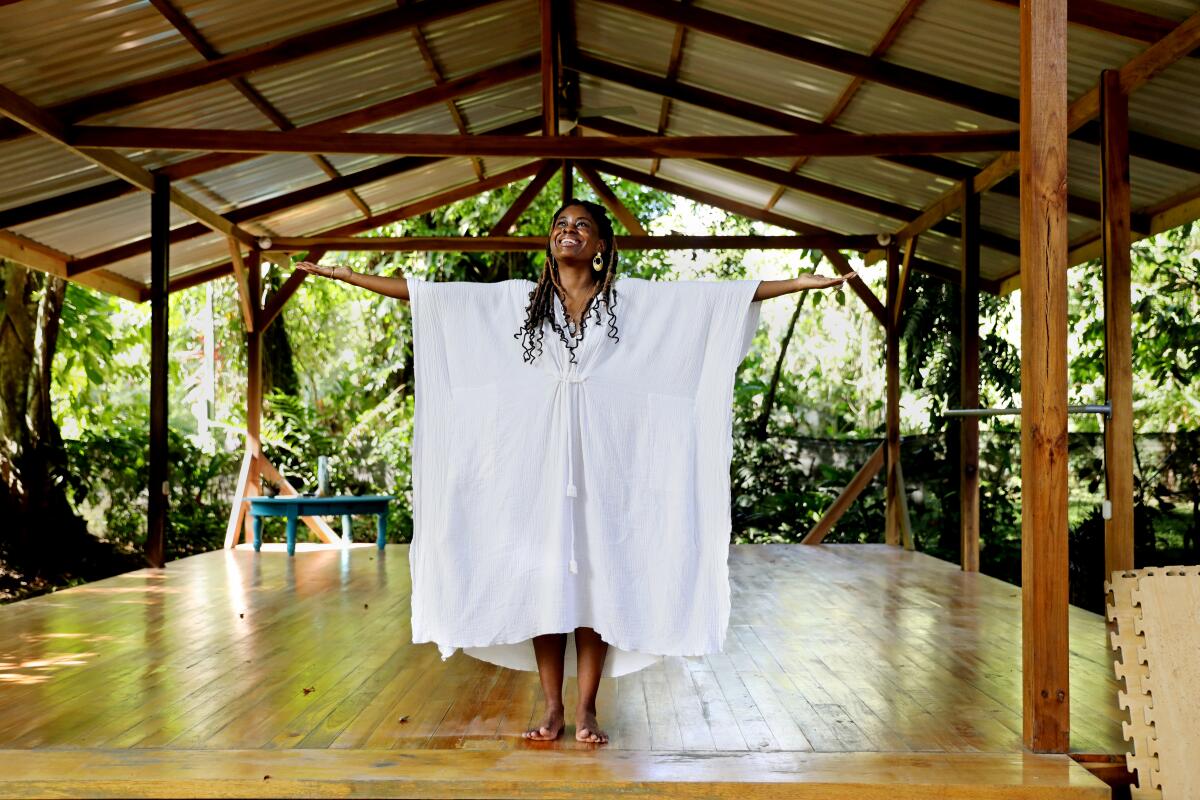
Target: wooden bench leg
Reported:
[(381, 525)]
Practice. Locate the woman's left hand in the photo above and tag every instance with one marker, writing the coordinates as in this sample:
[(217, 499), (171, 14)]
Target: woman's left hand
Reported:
[(838, 280)]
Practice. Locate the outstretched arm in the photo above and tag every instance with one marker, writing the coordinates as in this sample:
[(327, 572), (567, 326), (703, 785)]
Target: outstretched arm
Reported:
[(803, 282), (389, 287)]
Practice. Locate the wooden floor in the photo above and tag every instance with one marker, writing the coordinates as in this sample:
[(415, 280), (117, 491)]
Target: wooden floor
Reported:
[(886, 668)]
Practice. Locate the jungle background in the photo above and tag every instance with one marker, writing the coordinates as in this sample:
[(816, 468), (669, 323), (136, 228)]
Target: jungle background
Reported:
[(338, 378)]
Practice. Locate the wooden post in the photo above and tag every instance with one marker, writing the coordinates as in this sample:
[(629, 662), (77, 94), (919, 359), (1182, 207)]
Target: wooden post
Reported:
[(968, 454), (254, 391), (160, 252), (1044, 575), (1118, 345), (549, 67), (568, 181), (892, 529)]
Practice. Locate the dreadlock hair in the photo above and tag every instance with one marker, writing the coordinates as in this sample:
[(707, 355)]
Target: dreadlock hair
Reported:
[(541, 299)]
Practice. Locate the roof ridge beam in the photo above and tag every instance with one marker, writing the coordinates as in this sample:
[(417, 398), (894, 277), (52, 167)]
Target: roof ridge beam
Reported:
[(258, 57), (826, 144)]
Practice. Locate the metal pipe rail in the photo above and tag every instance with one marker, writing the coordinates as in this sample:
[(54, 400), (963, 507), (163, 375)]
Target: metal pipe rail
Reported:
[(1106, 410)]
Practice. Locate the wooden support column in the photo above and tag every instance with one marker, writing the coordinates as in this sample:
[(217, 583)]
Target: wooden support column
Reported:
[(254, 387), (892, 530), (968, 473), (568, 181), (160, 251), (1118, 345), (1044, 574)]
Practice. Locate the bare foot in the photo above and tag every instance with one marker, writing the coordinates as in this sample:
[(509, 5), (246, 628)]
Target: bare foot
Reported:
[(551, 727), (586, 728)]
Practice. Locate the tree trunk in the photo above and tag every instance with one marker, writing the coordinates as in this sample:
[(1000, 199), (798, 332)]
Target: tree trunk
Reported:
[(764, 418), (44, 541)]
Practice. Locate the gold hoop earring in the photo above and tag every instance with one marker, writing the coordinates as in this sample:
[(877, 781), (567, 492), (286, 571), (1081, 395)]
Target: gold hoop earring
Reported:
[(597, 262)]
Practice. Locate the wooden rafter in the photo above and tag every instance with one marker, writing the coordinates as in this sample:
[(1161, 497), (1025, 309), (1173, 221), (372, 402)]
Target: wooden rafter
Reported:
[(49, 126), (774, 118), (388, 217), (273, 205), (181, 23), (823, 144), (974, 98), (435, 72), (1136, 72), (528, 244), (198, 165), (505, 224), (258, 57), (907, 12), (1128, 23), (612, 202), (549, 53), (806, 185), (673, 62)]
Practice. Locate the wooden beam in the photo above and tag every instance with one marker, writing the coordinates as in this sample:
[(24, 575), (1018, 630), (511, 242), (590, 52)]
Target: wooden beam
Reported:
[(1136, 72), (612, 202), (48, 126), (906, 534), (807, 50), (968, 431), (487, 244), (892, 402), (433, 144), (275, 303), (806, 185), (246, 300), (673, 62), (701, 196), (848, 495), (158, 467), (183, 24), (857, 285), (1118, 321), (1113, 19), (283, 202), (1044, 574), (237, 511), (254, 389), (887, 73), (435, 72), (508, 221), (198, 165), (906, 13), (905, 271), (221, 269), (258, 57), (549, 54)]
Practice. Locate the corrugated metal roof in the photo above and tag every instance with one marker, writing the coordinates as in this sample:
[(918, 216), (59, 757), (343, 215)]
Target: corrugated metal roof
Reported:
[(55, 50)]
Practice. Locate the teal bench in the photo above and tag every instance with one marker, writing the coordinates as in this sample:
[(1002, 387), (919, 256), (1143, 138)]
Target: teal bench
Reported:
[(295, 507)]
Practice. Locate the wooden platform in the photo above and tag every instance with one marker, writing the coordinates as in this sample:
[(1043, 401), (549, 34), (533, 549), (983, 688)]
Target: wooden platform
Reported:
[(849, 671)]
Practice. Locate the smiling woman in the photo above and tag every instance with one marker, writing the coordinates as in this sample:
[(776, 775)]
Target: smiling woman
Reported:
[(584, 495)]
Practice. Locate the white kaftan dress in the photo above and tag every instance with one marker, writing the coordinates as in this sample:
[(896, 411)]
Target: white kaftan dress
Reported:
[(551, 495)]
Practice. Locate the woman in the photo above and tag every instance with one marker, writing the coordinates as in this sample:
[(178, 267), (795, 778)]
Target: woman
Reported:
[(637, 419)]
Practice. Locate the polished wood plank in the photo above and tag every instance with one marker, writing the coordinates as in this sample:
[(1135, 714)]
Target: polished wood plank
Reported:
[(450, 773), (830, 649)]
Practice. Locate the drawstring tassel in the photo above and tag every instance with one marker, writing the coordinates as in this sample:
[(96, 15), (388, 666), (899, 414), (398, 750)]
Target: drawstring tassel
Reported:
[(574, 567)]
